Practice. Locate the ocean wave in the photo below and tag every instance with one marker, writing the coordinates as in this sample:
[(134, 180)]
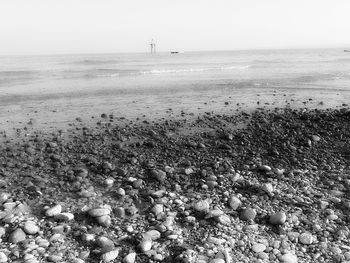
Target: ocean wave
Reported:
[(95, 62), (106, 72), (15, 73), (189, 70)]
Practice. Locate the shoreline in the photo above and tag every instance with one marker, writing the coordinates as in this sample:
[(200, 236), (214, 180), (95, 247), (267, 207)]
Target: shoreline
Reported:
[(52, 114), (267, 185)]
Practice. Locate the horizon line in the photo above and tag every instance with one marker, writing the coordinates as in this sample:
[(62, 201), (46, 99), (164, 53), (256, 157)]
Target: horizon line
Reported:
[(168, 51)]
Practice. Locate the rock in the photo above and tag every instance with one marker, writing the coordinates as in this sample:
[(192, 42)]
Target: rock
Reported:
[(223, 219), (265, 168), (110, 256), (278, 218), (31, 228), (129, 258), (2, 231), (17, 236), (234, 202), (159, 175), (289, 258), (248, 214), (145, 245), (64, 216), (120, 212), (54, 258), (306, 238), (158, 209), (98, 212), (55, 210), (151, 235), (214, 213), (104, 221), (201, 206), (258, 247), (268, 188), (105, 244), (315, 138), (3, 257)]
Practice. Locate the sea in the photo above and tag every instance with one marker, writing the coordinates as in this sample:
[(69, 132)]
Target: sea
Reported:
[(138, 72), (133, 84)]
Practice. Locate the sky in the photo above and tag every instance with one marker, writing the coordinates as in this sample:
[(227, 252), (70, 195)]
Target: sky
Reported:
[(102, 26)]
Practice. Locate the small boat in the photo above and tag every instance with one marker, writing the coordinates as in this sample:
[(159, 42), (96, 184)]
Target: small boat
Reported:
[(174, 52), (346, 50)]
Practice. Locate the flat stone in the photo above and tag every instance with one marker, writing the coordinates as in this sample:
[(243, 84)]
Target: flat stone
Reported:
[(289, 258), (278, 218), (64, 216), (97, 212), (151, 235), (55, 210), (54, 258)]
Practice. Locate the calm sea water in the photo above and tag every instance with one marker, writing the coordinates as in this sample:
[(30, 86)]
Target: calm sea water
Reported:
[(164, 72)]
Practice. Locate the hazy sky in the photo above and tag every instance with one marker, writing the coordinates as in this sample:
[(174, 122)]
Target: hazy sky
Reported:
[(84, 26)]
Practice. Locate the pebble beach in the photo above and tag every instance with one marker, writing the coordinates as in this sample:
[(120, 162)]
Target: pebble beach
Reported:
[(268, 185), (201, 157)]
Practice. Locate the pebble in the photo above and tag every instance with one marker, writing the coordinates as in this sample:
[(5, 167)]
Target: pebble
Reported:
[(64, 216), (306, 238), (257, 248), (130, 258), (151, 235), (110, 256), (289, 258), (248, 214), (104, 221), (98, 212), (105, 244), (223, 219), (201, 206), (234, 202), (54, 258), (265, 168), (278, 218), (268, 188), (3, 257), (31, 228), (17, 236), (55, 210), (145, 245)]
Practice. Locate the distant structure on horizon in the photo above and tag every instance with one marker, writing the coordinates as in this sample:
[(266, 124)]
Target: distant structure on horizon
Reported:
[(153, 46)]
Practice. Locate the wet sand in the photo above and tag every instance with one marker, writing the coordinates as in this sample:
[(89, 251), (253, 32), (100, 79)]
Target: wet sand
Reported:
[(49, 111)]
